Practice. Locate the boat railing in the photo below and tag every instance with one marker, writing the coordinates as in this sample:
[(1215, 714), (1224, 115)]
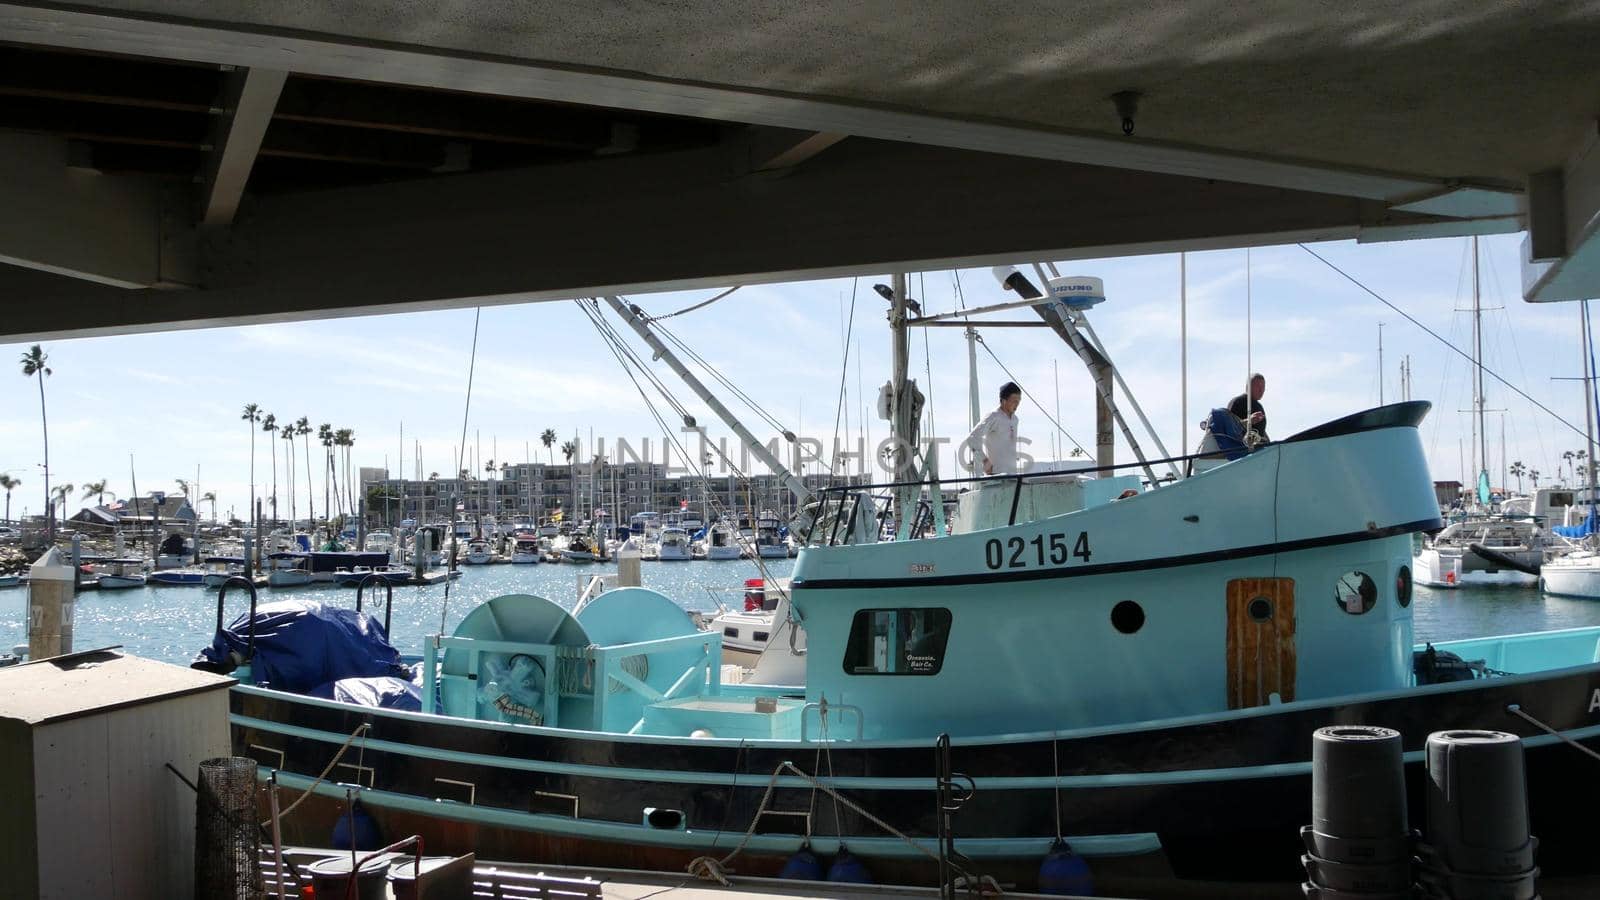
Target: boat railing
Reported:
[(388, 596), (837, 510), (222, 596)]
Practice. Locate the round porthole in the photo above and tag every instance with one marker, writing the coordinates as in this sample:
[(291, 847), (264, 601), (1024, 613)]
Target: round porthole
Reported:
[(1402, 586), (1260, 609), (1355, 592), (1127, 617)]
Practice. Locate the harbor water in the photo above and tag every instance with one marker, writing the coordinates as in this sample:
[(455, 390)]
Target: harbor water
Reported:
[(173, 623)]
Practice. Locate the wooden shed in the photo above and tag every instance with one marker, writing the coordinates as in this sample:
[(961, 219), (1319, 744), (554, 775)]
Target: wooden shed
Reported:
[(90, 808)]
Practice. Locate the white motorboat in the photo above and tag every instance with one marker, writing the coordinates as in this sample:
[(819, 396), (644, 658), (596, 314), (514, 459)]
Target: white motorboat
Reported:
[(769, 542), (720, 543), (674, 545), (121, 574), (220, 568), (479, 553), (525, 550), (579, 549), (288, 570)]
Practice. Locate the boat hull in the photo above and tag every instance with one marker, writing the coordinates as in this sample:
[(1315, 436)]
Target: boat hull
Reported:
[(121, 582), (1581, 579), (1223, 797)]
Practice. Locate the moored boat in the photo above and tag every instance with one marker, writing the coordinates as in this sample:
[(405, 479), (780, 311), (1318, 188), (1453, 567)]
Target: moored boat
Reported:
[(1202, 648)]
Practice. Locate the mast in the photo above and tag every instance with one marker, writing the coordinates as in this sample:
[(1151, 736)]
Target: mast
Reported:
[(635, 321), (1183, 350), (900, 353), (1481, 438), (972, 377), (1588, 400)]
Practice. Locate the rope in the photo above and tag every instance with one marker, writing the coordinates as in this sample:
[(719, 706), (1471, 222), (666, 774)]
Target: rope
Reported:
[(1435, 335), (1516, 710), (701, 305), (716, 869), (360, 731)]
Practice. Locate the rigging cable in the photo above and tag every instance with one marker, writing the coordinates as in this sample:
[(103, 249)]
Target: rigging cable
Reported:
[(844, 371), (701, 305), (711, 370), (1435, 335), (985, 345), (466, 410)]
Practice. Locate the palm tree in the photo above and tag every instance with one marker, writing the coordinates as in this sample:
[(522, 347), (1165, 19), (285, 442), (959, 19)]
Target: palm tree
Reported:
[(346, 439), (1519, 470), (567, 449), (97, 490), (252, 414), (269, 424), (211, 496), (183, 486), (33, 363), (433, 476), (61, 493), (548, 439), (1533, 474), (1566, 457), (8, 483), (302, 427), (325, 435)]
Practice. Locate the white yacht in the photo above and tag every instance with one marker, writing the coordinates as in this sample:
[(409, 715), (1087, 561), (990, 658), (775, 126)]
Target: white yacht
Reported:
[(479, 552), (525, 550), (674, 545), (1484, 551), (121, 574), (720, 542), (769, 543)]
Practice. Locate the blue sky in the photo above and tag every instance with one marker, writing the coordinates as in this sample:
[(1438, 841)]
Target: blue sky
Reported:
[(173, 400)]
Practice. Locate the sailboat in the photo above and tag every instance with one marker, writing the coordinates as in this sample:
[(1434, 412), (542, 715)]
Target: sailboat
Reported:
[(1577, 574), (1484, 548), (1131, 664)]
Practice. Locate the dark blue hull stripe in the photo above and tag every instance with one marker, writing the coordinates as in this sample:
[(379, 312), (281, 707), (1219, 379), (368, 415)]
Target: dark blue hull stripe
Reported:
[(1138, 565)]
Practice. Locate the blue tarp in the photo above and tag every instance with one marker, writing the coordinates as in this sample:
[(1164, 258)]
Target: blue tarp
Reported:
[(1228, 432), (1589, 526), (302, 644), (384, 692)]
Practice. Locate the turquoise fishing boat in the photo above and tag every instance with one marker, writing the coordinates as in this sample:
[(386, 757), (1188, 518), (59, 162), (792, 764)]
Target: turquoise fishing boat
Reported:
[(1134, 667)]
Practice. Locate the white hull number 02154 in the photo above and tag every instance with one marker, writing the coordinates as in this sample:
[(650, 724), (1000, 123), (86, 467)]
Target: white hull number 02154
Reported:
[(1042, 549)]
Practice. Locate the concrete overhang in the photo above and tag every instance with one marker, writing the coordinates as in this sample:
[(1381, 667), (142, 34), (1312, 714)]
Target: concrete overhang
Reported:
[(451, 153)]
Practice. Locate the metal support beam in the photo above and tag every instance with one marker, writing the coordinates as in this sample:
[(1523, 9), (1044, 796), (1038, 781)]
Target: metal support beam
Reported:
[(249, 98), (1561, 255), (551, 232), (113, 31), (112, 230)]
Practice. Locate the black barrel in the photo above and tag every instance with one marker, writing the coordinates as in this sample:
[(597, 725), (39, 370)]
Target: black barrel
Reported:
[(1358, 796), (1478, 845), (1478, 803)]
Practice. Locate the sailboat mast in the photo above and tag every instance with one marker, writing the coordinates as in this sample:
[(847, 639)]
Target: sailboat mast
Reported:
[(972, 377), (1588, 396), (1481, 447)]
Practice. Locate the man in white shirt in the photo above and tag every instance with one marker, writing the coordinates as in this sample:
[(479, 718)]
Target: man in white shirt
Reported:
[(994, 441)]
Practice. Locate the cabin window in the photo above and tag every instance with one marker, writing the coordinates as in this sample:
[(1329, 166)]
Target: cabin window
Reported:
[(905, 641), (1127, 617), (1355, 592), (1402, 586)]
